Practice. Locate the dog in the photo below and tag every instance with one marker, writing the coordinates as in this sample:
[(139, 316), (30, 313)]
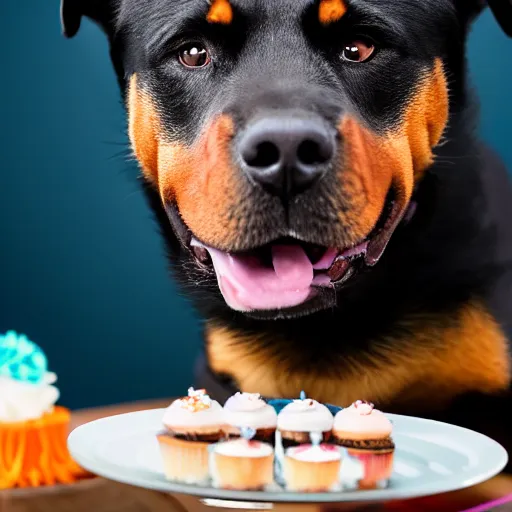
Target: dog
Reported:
[(327, 206)]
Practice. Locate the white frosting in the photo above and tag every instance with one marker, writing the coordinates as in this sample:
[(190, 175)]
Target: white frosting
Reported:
[(362, 421), (179, 416), (23, 401), (322, 453), (243, 448), (249, 410), (305, 416)]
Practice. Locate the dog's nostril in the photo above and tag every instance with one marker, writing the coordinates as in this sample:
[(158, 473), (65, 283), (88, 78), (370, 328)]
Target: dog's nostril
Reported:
[(286, 154), (266, 154), (310, 152)]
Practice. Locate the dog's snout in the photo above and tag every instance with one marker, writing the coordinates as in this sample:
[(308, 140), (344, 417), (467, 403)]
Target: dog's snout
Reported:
[(286, 154)]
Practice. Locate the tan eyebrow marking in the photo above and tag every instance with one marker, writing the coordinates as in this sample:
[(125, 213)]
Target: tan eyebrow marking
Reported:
[(220, 12), (331, 11)]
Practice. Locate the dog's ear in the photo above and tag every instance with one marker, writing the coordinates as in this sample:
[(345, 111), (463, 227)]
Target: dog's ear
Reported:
[(502, 10), (100, 11), (70, 16)]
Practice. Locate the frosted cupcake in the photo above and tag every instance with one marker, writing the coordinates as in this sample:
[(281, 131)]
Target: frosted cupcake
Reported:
[(243, 464), (249, 410), (366, 434), (300, 417), (33, 431), (312, 467), (192, 424)]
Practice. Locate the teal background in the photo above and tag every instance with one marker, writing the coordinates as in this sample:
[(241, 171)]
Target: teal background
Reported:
[(82, 268)]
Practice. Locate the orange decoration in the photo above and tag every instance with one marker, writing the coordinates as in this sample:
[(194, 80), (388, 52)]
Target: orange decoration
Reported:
[(34, 453), (197, 400), (331, 11), (220, 12)]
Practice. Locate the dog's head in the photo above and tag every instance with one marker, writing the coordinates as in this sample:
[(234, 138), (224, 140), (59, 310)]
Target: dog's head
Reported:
[(285, 138)]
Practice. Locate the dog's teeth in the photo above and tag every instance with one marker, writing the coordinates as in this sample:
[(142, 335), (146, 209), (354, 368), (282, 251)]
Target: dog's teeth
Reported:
[(338, 269), (201, 253)]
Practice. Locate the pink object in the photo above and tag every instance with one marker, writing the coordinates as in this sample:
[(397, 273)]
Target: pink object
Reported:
[(377, 467), (248, 286), (487, 507)]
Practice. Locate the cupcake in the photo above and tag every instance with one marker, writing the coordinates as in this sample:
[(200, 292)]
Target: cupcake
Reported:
[(33, 431), (312, 467), (192, 424), (300, 417), (242, 464), (249, 410), (366, 434)]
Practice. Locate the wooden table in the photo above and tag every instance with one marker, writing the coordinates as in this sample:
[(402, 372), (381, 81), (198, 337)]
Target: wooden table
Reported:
[(99, 495)]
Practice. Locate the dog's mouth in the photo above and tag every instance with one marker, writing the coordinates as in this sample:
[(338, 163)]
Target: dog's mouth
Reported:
[(288, 272)]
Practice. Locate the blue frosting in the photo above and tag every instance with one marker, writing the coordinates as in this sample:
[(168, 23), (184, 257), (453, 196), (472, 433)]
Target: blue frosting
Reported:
[(333, 408), (280, 403), (21, 359)]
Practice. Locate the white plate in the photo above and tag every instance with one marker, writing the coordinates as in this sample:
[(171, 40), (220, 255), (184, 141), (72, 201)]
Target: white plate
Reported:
[(430, 458)]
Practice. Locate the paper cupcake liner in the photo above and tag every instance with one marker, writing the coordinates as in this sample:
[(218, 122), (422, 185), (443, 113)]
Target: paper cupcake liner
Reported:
[(377, 467), (185, 461), (303, 476), (241, 473), (34, 453)]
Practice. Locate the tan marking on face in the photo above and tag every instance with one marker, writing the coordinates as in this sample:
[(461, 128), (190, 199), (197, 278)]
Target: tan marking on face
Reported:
[(433, 366), (372, 162), (426, 118), (220, 12), (204, 183), (143, 126), (331, 11), (199, 178)]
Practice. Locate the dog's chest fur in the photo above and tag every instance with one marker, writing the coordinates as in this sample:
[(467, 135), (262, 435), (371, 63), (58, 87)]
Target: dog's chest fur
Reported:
[(424, 370)]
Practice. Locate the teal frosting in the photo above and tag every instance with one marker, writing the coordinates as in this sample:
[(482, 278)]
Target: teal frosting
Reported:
[(21, 359), (280, 403)]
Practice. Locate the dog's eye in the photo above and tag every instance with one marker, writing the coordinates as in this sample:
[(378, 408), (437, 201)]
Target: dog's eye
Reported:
[(358, 51), (194, 56)]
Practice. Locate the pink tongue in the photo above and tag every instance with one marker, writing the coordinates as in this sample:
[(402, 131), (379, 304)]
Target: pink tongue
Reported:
[(247, 285)]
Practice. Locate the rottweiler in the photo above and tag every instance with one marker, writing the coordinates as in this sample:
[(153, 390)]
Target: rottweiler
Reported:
[(328, 207)]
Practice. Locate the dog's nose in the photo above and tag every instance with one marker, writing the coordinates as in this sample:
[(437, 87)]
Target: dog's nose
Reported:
[(287, 154)]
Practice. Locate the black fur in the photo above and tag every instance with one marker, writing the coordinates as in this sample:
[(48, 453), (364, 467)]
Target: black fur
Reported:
[(456, 248)]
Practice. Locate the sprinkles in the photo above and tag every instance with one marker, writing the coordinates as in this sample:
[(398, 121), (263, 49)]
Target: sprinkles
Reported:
[(197, 400), (365, 408)]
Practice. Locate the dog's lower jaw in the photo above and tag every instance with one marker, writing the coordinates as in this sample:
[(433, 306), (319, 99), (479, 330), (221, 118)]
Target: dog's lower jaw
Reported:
[(438, 361), (287, 278)]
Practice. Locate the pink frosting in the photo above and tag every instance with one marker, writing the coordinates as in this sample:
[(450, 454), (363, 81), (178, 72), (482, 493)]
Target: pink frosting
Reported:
[(363, 420)]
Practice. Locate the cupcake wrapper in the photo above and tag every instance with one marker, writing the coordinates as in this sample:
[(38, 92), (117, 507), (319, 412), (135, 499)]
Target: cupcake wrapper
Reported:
[(377, 467), (302, 476), (241, 473), (34, 453), (185, 461), (279, 459)]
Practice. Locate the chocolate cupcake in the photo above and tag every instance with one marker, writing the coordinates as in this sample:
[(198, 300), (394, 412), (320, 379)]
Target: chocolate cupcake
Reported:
[(249, 410), (299, 418), (365, 432), (192, 424)]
